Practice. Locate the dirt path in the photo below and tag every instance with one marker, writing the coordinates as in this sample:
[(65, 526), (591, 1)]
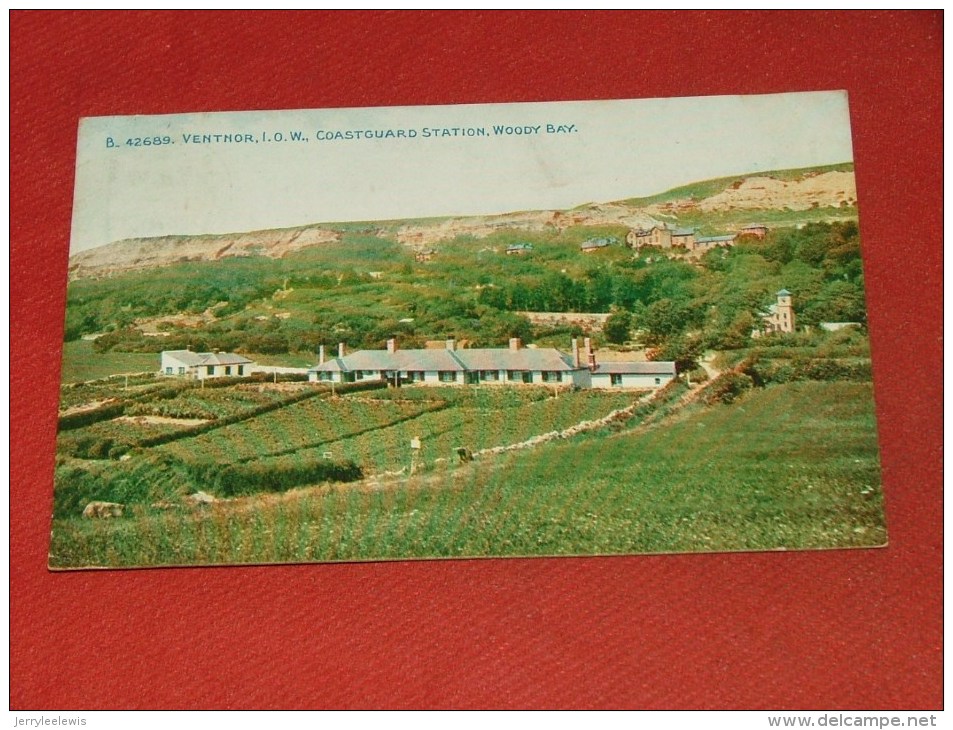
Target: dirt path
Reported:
[(91, 406), (162, 420)]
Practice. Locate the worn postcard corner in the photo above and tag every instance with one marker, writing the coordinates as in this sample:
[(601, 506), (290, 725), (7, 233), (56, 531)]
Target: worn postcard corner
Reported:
[(575, 328)]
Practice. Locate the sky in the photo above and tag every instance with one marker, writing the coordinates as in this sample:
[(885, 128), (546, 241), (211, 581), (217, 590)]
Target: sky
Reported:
[(142, 176)]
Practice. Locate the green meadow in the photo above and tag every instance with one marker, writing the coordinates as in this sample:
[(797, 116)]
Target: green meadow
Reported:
[(787, 466)]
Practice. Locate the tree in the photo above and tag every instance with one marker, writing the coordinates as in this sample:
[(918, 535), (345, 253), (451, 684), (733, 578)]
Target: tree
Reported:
[(683, 351), (665, 318), (599, 290), (736, 334), (617, 327), (497, 327)]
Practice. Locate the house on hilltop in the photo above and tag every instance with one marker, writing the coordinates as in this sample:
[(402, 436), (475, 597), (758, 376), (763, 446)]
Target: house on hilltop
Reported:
[(704, 243), (519, 249), (666, 236), (514, 365), (756, 230), (779, 317), (683, 238), (654, 236), (594, 244), (662, 236), (201, 365)]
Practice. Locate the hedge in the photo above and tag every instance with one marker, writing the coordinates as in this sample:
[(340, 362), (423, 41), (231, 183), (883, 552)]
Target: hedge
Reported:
[(229, 480)]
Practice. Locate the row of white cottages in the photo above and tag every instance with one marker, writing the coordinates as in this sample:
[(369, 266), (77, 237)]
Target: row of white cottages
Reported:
[(515, 365)]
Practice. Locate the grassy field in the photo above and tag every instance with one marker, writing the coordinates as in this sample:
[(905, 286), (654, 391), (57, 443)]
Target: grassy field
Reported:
[(786, 467), (81, 362)]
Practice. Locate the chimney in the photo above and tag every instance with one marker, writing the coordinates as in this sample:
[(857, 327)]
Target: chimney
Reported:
[(587, 346), (392, 345), (451, 344), (592, 362), (340, 349), (575, 352), (514, 343), (321, 355)]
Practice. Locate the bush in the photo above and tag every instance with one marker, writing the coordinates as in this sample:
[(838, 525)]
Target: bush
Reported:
[(727, 388), (787, 371), (617, 327), (832, 370), (91, 447), (144, 482), (91, 416), (162, 477), (697, 375), (275, 475)]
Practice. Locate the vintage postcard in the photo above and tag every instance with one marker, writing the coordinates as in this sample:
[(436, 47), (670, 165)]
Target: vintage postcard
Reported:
[(575, 328)]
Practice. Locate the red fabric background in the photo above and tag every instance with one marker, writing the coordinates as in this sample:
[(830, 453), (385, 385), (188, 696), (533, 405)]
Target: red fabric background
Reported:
[(834, 629)]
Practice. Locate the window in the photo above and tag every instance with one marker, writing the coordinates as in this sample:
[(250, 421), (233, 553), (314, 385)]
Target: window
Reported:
[(448, 376), (210, 370), (552, 377), (658, 381), (616, 378), (512, 375), (241, 369), (168, 371), (528, 377), (490, 375), (415, 376), (181, 371), (228, 369)]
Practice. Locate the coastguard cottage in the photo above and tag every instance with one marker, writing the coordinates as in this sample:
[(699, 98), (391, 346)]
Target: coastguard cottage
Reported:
[(514, 365), (201, 365)]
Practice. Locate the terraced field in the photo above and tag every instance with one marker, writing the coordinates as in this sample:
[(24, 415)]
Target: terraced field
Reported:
[(376, 432), (786, 467), (238, 438)]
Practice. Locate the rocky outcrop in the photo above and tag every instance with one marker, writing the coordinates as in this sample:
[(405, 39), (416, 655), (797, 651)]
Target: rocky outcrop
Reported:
[(829, 189), (200, 499), (103, 510), (426, 234)]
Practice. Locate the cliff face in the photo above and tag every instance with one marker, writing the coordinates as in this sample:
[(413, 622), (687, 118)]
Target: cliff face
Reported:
[(424, 234), (143, 253), (754, 193)]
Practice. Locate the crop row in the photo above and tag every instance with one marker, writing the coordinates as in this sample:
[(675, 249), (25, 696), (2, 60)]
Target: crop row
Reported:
[(441, 432), (475, 397), (294, 427), (100, 440), (206, 404), (116, 387)]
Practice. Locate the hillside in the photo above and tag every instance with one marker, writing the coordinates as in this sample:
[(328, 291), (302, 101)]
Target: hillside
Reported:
[(144, 253), (782, 197)]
